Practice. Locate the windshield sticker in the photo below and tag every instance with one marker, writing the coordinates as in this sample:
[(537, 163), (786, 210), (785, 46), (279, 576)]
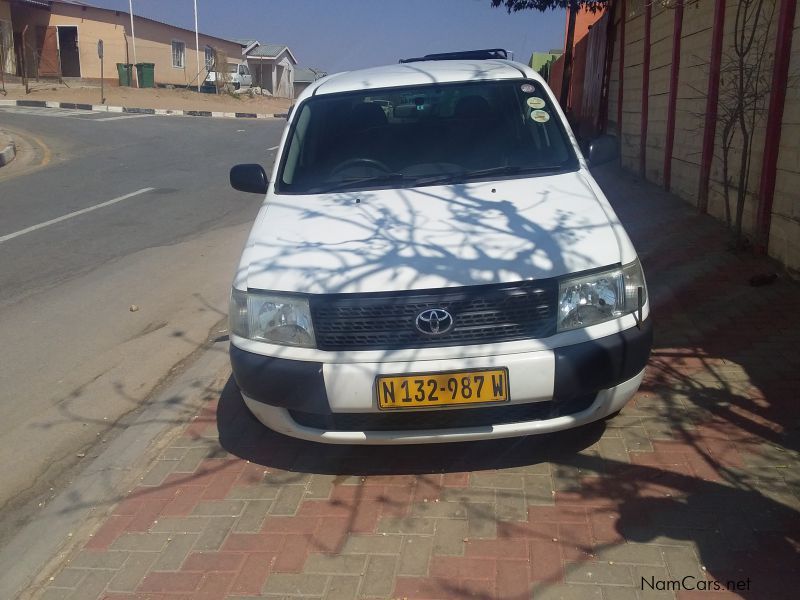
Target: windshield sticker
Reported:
[(527, 88), (535, 102), (540, 116)]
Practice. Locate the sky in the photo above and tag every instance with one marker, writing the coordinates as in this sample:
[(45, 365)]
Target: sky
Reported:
[(341, 35)]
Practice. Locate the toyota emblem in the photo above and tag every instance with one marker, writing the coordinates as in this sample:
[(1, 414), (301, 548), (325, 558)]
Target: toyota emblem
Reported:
[(434, 321)]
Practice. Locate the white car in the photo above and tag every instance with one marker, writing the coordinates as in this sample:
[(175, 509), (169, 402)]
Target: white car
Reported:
[(236, 74), (433, 262)]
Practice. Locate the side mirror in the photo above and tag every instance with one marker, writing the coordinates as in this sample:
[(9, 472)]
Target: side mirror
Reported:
[(249, 178), (602, 150)]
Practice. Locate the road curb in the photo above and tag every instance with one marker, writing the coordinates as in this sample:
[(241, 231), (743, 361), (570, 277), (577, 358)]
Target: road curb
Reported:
[(8, 154), (142, 111), (48, 539)]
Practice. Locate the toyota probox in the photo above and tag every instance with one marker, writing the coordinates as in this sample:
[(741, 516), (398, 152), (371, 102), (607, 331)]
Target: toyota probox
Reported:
[(433, 262)]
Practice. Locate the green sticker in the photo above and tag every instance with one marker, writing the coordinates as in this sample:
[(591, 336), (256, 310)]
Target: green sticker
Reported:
[(535, 102), (540, 116)]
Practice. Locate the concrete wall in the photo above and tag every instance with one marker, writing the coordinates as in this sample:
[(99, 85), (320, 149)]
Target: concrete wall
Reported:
[(784, 242), (690, 109), (632, 81), (153, 41), (784, 239), (660, 63), (612, 124), (716, 201)]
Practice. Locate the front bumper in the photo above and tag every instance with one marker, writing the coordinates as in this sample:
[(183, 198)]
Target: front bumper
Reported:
[(550, 390)]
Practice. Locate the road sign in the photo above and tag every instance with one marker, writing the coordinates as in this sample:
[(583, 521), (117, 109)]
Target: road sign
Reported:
[(100, 49)]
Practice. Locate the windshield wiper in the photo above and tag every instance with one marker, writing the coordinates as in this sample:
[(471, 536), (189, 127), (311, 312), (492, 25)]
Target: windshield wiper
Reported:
[(357, 181), (464, 175), (509, 170)]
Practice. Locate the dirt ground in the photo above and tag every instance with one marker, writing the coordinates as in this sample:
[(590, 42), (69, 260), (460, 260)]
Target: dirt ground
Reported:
[(174, 99)]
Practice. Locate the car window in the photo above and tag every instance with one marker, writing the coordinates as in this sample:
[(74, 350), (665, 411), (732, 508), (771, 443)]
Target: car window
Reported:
[(423, 135), (232, 68)]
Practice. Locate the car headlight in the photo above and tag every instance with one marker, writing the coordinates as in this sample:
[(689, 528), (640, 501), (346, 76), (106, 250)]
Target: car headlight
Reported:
[(592, 299), (274, 318)]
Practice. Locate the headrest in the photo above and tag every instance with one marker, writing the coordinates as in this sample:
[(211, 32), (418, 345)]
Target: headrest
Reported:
[(472, 107), (366, 115)]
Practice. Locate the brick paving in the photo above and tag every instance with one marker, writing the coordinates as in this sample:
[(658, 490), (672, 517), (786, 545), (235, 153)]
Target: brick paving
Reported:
[(697, 478)]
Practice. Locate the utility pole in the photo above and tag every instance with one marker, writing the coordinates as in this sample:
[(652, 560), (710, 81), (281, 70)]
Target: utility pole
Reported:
[(133, 37), (197, 45), (100, 54), (25, 62)]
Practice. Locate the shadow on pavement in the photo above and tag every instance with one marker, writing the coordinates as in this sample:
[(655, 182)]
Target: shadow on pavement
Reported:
[(739, 532)]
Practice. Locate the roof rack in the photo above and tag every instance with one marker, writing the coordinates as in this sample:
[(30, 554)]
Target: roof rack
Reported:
[(487, 54)]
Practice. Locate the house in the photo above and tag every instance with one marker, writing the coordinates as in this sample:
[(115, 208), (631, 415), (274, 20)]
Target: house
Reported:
[(542, 62), (305, 76), (272, 67), (59, 38)]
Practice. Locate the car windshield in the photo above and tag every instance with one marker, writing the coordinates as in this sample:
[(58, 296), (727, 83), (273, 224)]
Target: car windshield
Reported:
[(423, 135)]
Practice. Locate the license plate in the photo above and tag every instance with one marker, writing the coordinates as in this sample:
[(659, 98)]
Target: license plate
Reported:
[(425, 390)]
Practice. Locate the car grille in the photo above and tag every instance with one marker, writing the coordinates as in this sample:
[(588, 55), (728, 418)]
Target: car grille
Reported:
[(443, 418), (481, 314)]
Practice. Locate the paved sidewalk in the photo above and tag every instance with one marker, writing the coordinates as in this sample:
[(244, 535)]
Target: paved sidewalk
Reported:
[(697, 480), (161, 112)]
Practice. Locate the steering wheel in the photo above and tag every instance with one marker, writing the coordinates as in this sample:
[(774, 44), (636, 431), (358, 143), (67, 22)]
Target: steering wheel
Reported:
[(351, 162)]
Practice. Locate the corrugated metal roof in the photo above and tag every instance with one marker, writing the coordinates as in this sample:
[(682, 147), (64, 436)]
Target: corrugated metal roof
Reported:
[(268, 50), (37, 3), (308, 74)]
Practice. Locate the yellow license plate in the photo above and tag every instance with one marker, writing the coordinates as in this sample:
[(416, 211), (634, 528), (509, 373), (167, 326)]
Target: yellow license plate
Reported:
[(425, 390)]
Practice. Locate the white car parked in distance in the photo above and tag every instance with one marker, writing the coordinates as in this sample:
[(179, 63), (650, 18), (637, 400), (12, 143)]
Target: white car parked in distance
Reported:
[(434, 262), (236, 74)]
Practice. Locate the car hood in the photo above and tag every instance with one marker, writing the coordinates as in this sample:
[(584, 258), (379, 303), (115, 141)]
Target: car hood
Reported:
[(431, 237)]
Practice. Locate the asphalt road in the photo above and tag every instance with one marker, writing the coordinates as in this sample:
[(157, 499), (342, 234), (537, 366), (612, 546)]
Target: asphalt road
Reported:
[(101, 213)]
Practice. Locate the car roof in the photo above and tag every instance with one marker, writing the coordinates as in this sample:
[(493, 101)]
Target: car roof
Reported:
[(421, 73)]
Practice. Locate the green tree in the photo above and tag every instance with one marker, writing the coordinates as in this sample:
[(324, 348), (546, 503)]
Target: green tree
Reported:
[(574, 6)]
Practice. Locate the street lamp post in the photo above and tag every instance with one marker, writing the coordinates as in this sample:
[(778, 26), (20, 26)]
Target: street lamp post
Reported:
[(133, 37), (197, 45)]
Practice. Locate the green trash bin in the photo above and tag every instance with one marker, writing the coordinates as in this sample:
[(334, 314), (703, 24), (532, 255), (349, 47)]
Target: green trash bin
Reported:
[(147, 74), (125, 72)]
